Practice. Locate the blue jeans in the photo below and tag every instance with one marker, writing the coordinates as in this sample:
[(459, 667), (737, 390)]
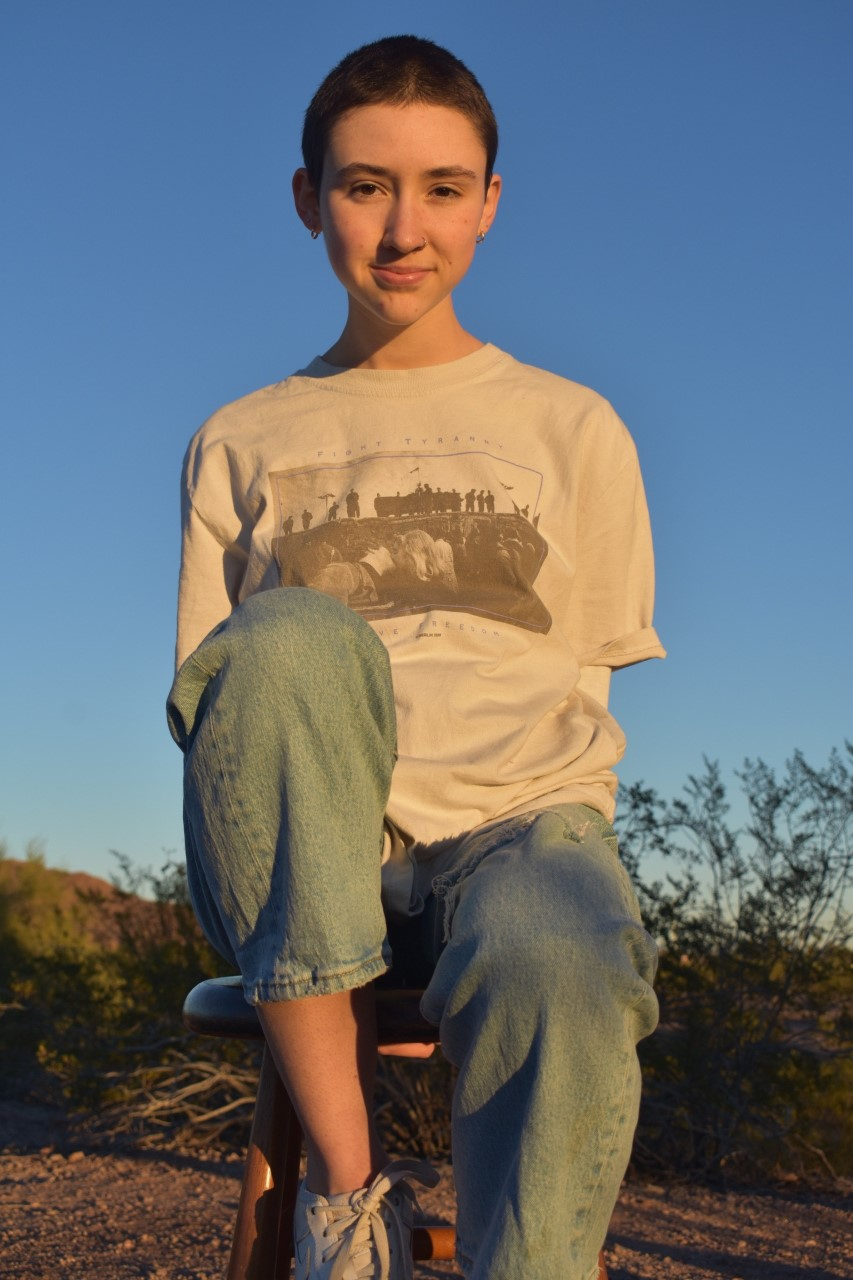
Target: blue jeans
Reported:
[(538, 969)]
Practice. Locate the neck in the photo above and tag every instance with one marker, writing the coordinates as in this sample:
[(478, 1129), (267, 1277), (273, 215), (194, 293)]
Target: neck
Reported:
[(367, 344)]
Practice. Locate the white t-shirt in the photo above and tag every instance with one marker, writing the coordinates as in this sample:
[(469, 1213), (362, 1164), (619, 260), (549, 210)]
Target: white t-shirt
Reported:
[(488, 520)]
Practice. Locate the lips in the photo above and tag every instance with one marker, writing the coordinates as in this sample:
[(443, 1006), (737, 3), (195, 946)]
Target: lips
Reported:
[(399, 277)]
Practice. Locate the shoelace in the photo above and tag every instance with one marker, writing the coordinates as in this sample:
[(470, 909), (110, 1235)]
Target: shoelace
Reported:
[(370, 1225)]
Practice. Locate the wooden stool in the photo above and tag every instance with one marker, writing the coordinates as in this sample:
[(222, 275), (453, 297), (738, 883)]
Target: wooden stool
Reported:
[(262, 1246)]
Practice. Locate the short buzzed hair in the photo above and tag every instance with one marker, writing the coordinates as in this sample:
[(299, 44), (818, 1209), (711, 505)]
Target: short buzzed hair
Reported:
[(400, 70)]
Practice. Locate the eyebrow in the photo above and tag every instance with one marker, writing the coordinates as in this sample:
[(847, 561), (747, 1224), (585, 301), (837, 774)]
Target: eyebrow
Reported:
[(379, 171)]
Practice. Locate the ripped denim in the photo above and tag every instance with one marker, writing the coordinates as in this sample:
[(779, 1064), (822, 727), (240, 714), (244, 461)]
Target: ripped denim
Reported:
[(538, 969)]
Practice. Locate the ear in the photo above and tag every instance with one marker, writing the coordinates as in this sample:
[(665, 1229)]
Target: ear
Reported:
[(306, 200), (490, 206)]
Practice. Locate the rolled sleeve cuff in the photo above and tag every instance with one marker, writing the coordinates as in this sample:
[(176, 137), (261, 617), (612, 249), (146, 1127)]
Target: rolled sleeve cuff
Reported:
[(638, 646)]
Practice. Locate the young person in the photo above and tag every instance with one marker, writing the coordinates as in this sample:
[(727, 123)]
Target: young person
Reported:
[(395, 719)]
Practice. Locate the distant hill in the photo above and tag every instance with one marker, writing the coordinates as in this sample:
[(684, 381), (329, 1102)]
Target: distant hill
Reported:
[(44, 906)]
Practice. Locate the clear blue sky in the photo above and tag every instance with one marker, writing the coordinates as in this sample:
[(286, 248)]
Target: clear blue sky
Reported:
[(675, 232)]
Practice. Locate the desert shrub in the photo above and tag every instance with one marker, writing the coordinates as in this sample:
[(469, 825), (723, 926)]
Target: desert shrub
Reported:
[(47, 959), (413, 1105), (93, 982), (746, 1075)]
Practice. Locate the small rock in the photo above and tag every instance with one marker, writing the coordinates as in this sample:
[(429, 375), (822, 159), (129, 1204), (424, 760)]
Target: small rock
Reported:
[(76, 1156)]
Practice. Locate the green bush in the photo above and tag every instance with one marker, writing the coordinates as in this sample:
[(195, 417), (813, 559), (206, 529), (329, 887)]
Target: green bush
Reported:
[(83, 1021), (746, 1076)]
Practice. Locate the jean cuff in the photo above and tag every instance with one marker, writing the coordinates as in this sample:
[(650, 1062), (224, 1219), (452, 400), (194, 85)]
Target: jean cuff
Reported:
[(316, 983)]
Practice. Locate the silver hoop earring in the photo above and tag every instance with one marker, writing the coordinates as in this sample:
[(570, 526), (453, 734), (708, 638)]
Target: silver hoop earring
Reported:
[(315, 234), (481, 235)]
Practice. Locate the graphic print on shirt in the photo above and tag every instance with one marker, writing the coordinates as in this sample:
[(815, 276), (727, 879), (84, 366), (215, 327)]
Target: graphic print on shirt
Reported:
[(404, 533)]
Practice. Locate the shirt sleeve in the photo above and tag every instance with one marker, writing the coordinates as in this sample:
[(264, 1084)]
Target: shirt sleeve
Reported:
[(613, 591), (595, 683), (213, 559)]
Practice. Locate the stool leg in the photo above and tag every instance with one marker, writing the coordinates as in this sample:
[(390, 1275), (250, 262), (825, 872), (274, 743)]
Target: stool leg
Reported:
[(275, 1134), (437, 1243), (440, 1243), (289, 1189)]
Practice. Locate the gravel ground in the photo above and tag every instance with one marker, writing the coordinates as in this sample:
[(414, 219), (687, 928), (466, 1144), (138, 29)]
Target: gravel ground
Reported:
[(70, 1211)]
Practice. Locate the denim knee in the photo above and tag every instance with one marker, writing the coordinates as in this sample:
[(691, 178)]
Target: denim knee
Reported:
[(549, 922), (285, 713), (276, 643)]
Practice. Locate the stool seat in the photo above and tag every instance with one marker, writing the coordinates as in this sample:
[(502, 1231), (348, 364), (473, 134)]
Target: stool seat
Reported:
[(217, 1007)]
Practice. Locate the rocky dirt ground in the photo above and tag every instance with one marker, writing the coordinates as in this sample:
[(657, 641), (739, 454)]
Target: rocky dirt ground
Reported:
[(70, 1209)]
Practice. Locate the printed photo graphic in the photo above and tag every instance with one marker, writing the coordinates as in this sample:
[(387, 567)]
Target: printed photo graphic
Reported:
[(400, 534)]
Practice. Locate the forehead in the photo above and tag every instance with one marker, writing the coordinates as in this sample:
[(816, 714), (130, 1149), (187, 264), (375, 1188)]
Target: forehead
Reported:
[(417, 136)]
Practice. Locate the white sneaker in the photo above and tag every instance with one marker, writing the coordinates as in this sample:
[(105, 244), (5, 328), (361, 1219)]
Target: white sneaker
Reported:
[(360, 1235)]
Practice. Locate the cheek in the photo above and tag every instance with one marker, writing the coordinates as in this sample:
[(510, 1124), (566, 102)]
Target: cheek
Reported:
[(463, 252), (335, 253), (344, 252), (346, 237), (463, 241)]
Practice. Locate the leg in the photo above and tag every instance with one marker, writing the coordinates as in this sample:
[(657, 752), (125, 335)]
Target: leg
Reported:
[(541, 993), (325, 1051), (286, 716)]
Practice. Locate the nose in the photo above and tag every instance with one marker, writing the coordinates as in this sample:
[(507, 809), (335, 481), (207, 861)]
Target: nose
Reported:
[(403, 232)]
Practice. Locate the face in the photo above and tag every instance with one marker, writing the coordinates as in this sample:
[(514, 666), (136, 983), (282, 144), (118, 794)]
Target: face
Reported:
[(402, 201)]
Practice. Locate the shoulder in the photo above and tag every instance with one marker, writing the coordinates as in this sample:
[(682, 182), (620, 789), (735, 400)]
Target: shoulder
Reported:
[(567, 403), (233, 439), (553, 387), (252, 413)]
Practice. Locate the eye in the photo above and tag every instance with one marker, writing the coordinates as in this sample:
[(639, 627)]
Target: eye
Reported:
[(445, 193), (366, 189)]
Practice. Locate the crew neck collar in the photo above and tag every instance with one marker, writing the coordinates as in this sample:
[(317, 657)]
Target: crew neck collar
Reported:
[(403, 382)]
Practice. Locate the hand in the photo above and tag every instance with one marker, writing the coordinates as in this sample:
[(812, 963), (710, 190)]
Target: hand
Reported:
[(416, 1050)]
